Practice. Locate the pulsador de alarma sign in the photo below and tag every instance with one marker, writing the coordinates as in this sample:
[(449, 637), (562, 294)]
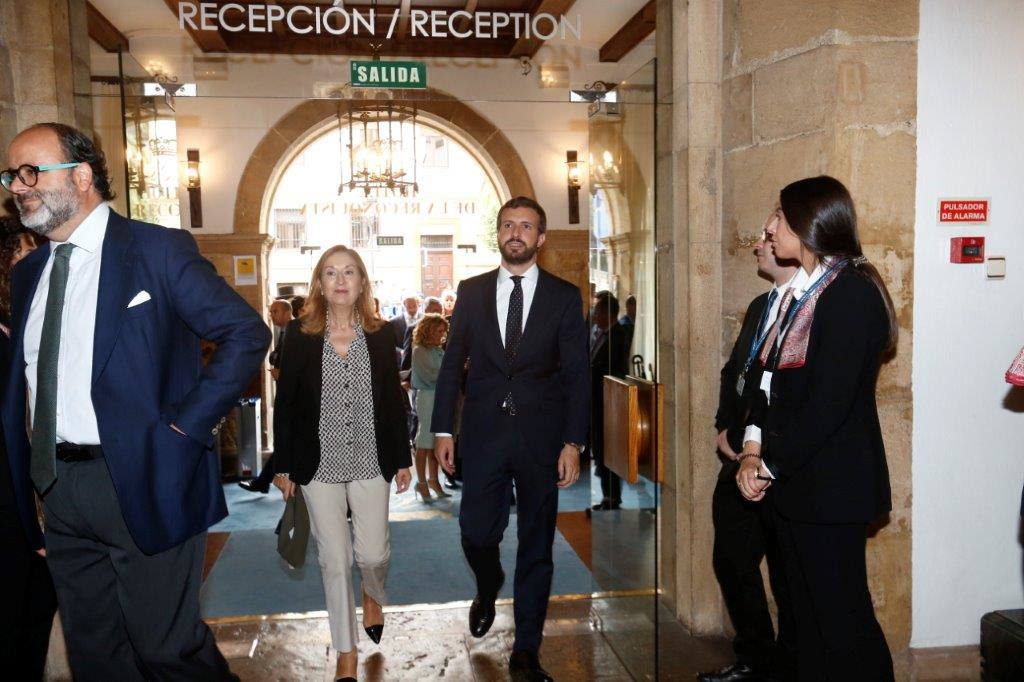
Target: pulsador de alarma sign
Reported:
[(963, 211), (316, 19)]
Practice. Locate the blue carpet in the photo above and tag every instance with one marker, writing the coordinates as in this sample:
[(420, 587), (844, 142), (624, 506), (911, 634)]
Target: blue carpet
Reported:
[(427, 566), (252, 511)]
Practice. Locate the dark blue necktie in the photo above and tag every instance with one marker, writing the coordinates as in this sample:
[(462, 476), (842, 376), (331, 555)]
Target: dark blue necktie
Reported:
[(513, 334)]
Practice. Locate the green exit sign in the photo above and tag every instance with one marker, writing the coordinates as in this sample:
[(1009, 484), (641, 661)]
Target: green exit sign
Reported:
[(377, 74)]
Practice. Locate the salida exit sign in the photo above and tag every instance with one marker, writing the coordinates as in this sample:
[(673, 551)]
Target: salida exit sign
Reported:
[(379, 74), (963, 211)]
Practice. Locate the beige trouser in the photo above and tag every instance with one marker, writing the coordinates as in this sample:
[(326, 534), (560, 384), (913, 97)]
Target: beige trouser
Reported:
[(328, 505)]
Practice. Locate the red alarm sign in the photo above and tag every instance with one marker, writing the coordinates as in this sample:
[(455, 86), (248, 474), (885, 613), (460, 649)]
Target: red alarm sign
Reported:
[(963, 211)]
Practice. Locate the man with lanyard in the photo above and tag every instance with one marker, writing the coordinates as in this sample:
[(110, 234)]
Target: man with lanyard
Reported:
[(743, 534)]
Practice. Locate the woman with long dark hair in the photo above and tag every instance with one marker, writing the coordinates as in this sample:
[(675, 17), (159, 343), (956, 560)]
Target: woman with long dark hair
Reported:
[(341, 448), (814, 444)]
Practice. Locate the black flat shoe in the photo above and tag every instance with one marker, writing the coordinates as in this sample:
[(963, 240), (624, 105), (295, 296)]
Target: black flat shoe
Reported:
[(374, 632), (253, 487), (346, 679), (482, 612), (524, 666), (737, 672)]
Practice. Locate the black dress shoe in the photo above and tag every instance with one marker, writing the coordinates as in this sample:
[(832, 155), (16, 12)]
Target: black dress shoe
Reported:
[(731, 673), (606, 505), (481, 612), (374, 632), (346, 679), (451, 483), (524, 666), (254, 487)]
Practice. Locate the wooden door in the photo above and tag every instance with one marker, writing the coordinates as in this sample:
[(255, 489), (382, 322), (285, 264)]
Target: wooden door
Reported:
[(437, 270)]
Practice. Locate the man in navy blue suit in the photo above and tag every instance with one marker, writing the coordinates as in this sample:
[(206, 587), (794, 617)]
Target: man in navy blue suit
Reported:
[(525, 420), (105, 357)]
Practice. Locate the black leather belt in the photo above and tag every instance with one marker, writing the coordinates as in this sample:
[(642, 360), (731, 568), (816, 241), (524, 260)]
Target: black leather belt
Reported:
[(69, 452)]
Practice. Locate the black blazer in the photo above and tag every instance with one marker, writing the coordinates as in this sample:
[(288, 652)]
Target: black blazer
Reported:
[(733, 408), (549, 381), (820, 433), (297, 406)]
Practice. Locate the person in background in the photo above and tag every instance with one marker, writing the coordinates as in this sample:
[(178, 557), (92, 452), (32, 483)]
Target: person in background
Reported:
[(26, 612), (744, 534), (628, 321), (448, 298), (427, 353), (340, 447), (813, 443), (407, 318), (298, 301), (125, 467), (609, 356)]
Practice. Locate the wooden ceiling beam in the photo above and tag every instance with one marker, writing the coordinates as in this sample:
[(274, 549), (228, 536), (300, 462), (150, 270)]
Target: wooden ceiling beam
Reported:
[(103, 31), (207, 41), (403, 21), (464, 22), (527, 47), (632, 33)]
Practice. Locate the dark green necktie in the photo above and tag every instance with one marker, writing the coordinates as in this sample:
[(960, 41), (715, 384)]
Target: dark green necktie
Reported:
[(44, 418)]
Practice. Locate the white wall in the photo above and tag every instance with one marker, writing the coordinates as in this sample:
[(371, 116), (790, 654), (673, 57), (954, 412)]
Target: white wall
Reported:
[(968, 453)]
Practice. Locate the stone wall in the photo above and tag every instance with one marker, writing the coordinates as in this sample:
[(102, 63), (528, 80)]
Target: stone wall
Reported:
[(755, 94), (44, 65)]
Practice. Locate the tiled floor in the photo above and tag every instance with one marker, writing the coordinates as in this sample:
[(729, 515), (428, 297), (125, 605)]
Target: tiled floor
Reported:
[(599, 639)]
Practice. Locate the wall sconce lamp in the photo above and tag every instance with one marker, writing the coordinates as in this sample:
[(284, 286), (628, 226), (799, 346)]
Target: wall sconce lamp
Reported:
[(194, 185), (574, 173)]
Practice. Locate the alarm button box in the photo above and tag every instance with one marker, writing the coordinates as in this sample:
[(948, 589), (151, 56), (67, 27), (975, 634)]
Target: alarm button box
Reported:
[(967, 250)]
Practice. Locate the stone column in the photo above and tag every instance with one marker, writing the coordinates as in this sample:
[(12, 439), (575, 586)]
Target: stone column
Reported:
[(44, 65)]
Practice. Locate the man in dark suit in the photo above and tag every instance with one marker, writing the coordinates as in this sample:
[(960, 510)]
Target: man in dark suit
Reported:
[(409, 316), (744, 534), (106, 357), (609, 356), (524, 420)]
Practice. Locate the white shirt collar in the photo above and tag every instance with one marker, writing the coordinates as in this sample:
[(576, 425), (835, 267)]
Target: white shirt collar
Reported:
[(530, 275), (89, 234)]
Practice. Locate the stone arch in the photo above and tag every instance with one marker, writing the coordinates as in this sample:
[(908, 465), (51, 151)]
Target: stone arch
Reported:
[(498, 156)]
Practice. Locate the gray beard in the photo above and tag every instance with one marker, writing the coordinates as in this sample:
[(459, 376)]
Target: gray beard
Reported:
[(56, 208)]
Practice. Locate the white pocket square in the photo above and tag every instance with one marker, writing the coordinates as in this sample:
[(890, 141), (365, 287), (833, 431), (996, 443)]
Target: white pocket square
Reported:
[(139, 299)]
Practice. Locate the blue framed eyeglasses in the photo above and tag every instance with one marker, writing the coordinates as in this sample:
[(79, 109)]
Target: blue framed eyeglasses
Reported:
[(29, 174)]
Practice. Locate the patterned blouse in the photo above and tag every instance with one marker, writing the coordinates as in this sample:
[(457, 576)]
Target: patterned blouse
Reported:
[(348, 442)]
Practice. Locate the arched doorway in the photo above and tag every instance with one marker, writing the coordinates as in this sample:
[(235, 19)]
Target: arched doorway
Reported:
[(424, 241)]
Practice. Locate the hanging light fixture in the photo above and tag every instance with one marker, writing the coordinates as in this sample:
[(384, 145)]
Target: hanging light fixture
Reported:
[(378, 160)]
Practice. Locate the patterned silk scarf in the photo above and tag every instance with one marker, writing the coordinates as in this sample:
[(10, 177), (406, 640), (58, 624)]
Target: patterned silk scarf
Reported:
[(793, 352)]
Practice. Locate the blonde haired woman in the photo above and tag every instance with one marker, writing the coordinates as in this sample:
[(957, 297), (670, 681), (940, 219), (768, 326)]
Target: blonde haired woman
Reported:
[(427, 353), (342, 449)]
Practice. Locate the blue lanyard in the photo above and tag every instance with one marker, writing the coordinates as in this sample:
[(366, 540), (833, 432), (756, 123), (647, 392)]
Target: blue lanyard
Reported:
[(755, 347)]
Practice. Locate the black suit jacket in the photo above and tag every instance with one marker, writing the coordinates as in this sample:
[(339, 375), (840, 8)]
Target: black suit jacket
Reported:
[(733, 408), (399, 328), (820, 433), (297, 406), (610, 358), (549, 380)]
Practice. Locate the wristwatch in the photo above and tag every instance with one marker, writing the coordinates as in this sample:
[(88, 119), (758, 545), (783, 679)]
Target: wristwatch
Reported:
[(579, 448)]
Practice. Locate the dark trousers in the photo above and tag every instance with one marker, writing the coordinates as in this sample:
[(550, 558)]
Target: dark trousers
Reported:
[(744, 536), (611, 483), (838, 636), (488, 477), (266, 476), (26, 610), (126, 615)]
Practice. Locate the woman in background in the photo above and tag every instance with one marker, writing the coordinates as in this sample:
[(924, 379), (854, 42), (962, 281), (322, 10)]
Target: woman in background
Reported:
[(427, 353), (814, 443), (342, 449)]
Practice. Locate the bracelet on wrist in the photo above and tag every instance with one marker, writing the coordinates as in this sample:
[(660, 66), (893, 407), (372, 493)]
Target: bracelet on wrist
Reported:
[(748, 455)]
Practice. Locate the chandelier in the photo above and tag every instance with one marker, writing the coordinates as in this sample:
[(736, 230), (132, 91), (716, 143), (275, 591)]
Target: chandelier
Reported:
[(379, 163)]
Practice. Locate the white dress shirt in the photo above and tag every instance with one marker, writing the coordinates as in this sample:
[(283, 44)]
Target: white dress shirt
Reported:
[(504, 292), (76, 418)]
